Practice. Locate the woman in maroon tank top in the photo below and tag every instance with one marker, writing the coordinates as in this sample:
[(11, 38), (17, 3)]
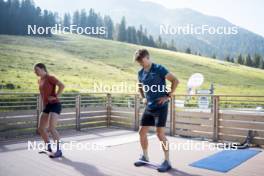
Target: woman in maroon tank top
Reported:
[(52, 106)]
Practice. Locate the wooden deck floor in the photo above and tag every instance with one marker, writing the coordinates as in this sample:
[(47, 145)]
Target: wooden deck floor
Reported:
[(122, 149)]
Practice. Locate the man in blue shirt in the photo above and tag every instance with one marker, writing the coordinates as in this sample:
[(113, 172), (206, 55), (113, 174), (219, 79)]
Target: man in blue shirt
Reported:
[(152, 87)]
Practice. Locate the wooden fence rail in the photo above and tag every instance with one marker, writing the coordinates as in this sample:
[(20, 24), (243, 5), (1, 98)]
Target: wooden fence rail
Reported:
[(227, 118)]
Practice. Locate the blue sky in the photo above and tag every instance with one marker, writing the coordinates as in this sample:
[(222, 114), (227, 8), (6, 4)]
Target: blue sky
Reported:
[(245, 13)]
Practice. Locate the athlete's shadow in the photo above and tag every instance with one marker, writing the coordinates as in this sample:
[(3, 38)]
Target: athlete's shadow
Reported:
[(176, 172), (84, 168), (173, 171)]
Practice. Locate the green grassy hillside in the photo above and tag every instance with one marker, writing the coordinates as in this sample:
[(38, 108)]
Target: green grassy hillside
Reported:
[(79, 61)]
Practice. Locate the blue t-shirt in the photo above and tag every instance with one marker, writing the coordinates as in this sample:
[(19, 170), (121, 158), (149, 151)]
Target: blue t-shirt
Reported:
[(154, 84)]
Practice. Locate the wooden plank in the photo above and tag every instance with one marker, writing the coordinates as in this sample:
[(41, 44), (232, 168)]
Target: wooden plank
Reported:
[(260, 133), (17, 113), (18, 126), (19, 102), (193, 121), (86, 117), (120, 124), (237, 138), (33, 117), (93, 113), (99, 103), (242, 117), (153, 129), (93, 108), (14, 133), (194, 127), (194, 133), (227, 131), (239, 131), (66, 110), (97, 124), (20, 106), (118, 119), (18, 119), (71, 121), (93, 119), (65, 127), (124, 109), (94, 101), (242, 124), (125, 117), (124, 114), (193, 114), (68, 115)]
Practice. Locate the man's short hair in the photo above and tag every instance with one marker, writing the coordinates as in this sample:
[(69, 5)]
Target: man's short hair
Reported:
[(140, 54)]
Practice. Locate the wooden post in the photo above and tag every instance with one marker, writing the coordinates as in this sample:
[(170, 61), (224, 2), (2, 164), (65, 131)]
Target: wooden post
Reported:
[(108, 108), (78, 112), (172, 116), (39, 110), (215, 118), (136, 116)]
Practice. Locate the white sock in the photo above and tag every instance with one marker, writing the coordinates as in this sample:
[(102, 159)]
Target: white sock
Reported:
[(145, 153), (166, 154)]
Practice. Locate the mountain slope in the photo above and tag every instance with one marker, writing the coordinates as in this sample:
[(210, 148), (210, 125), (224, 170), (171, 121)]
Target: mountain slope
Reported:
[(152, 15), (80, 61)]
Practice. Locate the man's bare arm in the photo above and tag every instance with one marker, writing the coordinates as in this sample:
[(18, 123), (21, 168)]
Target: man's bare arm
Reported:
[(174, 82), (140, 89)]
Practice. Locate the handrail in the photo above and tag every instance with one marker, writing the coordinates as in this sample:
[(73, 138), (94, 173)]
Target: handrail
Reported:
[(115, 93)]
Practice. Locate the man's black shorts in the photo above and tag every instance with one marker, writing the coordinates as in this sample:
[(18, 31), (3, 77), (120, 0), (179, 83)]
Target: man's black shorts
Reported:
[(54, 107), (155, 117)]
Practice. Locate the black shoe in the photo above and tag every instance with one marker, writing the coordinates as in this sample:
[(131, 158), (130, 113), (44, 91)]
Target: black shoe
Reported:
[(164, 167), (141, 162), (57, 154)]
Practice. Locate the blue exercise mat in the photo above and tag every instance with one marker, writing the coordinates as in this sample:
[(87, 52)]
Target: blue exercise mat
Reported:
[(225, 160)]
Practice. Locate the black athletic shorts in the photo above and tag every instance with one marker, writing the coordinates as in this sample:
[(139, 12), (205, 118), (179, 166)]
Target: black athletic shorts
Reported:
[(54, 107), (155, 117)]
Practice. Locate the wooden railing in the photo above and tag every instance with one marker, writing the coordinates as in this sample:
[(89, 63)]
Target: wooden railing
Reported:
[(227, 117)]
